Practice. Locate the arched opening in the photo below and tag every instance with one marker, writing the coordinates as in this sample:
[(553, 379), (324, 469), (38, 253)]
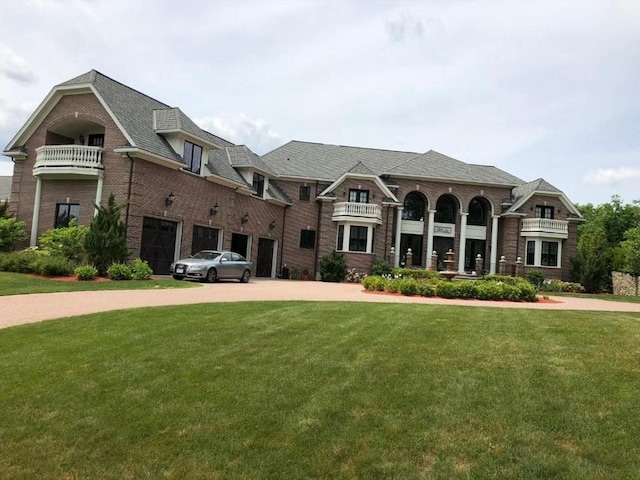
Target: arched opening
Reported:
[(476, 238), (446, 209), (414, 207), (477, 212)]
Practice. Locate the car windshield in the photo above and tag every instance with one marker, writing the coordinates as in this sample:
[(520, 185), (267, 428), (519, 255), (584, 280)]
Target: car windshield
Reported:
[(206, 255)]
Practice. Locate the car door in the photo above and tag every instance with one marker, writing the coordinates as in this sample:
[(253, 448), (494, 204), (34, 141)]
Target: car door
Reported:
[(225, 267)]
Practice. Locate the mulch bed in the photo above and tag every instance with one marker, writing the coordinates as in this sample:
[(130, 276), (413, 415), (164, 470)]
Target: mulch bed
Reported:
[(398, 294)]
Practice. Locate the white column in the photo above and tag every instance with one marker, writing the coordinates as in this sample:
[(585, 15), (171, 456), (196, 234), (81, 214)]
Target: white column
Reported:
[(430, 228), (98, 194), (463, 241), (36, 213), (396, 261), (370, 239), (494, 244)]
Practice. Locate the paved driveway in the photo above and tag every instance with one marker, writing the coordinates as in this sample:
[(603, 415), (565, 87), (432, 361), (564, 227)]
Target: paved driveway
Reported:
[(20, 309)]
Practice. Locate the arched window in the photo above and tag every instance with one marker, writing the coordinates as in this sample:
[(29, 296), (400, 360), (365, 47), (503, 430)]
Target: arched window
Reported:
[(414, 205), (477, 213), (445, 210)]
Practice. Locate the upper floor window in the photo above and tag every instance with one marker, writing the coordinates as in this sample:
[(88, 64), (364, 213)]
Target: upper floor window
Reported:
[(542, 211), (258, 184), (65, 212), (305, 193), (477, 213), (192, 157), (445, 210), (358, 196), (96, 140), (414, 205)]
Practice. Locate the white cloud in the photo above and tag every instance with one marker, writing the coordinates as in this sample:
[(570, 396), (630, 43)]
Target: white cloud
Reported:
[(15, 67), (613, 176), (243, 130)]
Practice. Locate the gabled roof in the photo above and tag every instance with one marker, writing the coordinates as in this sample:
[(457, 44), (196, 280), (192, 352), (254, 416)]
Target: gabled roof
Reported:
[(219, 165), (241, 156), (360, 168), (524, 192)]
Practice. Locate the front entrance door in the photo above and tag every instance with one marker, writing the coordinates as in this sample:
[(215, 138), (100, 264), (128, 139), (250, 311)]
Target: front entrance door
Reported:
[(264, 263), (442, 245), (471, 251), (413, 242), (240, 244), (158, 244)]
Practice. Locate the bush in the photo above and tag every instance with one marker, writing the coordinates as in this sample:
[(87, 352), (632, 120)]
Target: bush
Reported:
[(11, 231), (392, 285), (119, 271), (374, 283), (381, 268), (67, 242), (140, 270), (55, 266), (106, 242), (408, 286), (24, 261), (333, 267), (446, 289), (426, 289), (416, 273), (86, 272), (354, 276), (535, 277)]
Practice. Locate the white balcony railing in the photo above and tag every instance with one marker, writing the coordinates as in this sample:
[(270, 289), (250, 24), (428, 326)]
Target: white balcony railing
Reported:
[(545, 227), (353, 210), (68, 159)]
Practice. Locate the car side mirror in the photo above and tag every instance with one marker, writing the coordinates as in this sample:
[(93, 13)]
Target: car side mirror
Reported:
[(222, 260)]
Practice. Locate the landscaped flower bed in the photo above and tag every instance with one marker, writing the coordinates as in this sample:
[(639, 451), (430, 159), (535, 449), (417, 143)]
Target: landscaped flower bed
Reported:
[(489, 287)]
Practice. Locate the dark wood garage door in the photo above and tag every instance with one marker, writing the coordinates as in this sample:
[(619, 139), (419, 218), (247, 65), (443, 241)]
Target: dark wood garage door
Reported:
[(158, 244), (204, 239), (264, 265)]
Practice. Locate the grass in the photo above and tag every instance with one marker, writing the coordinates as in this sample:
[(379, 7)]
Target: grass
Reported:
[(20, 283), (292, 390), (599, 296)]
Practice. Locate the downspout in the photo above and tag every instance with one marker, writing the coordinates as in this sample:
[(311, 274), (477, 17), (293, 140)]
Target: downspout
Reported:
[(126, 218), (284, 225), (386, 235), (315, 255)]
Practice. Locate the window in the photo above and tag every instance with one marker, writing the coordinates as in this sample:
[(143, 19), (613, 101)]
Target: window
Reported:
[(477, 213), (413, 207), (549, 254), (96, 140), (358, 238), (543, 253), (445, 210), (542, 211), (192, 157), (359, 196), (305, 193), (65, 212), (258, 184), (307, 238), (340, 242)]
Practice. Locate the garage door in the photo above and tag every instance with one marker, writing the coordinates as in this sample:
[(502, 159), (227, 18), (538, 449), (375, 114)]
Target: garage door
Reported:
[(264, 264), (158, 244)]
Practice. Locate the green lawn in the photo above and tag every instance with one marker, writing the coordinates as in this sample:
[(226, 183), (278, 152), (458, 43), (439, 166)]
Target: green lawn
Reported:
[(20, 283), (293, 390)]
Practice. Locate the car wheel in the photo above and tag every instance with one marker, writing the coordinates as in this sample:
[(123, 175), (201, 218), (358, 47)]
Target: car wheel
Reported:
[(212, 275), (177, 277), (246, 275)]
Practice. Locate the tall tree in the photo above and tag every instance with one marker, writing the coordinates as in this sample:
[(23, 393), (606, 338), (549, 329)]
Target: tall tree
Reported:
[(106, 241)]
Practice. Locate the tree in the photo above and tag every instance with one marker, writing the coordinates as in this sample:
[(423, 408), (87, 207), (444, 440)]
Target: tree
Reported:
[(106, 241), (11, 231), (631, 251), (333, 267), (590, 262)]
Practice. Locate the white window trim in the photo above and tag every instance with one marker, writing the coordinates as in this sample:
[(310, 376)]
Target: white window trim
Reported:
[(537, 259), (347, 233)]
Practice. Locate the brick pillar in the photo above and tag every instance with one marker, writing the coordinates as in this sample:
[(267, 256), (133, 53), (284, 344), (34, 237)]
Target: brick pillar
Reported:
[(519, 267), (479, 265), (502, 266), (434, 261), (409, 260)]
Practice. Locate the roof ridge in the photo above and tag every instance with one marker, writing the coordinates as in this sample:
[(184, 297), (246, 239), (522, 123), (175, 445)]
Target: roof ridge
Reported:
[(96, 72), (353, 146)]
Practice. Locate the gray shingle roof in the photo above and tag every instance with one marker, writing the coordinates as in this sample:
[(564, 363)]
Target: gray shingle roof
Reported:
[(361, 168), (242, 156), (220, 165)]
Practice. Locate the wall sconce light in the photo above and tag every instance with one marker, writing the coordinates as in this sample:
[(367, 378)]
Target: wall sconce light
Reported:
[(214, 210), (245, 218), (272, 225), (169, 200)]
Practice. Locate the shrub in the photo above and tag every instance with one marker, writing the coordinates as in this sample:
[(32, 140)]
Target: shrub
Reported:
[(392, 285), (466, 289), (381, 267), (408, 286), (140, 270), (535, 277), (426, 289), (119, 271), (67, 242), (333, 267), (374, 283), (24, 261), (105, 242), (417, 273), (11, 231), (446, 289), (355, 277), (86, 272), (55, 266)]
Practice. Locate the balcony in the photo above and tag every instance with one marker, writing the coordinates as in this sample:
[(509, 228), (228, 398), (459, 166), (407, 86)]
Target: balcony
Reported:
[(357, 212), (545, 227), (68, 161)]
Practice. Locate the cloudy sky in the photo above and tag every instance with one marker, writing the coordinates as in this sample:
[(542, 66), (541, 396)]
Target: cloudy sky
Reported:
[(540, 89)]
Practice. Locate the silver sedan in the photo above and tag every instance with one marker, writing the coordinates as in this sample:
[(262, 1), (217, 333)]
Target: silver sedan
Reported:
[(212, 265)]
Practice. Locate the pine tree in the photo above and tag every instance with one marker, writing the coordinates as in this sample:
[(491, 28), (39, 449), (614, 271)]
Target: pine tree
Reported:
[(106, 241)]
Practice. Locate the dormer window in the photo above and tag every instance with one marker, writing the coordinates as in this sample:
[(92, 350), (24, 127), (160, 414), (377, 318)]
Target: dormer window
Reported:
[(258, 184), (192, 157)]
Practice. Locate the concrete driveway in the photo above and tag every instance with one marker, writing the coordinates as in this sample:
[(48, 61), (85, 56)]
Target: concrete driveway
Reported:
[(21, 309)]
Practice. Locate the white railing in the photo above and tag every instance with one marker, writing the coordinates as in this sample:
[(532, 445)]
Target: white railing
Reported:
[(354, 209), (77, 156), (545, 225)]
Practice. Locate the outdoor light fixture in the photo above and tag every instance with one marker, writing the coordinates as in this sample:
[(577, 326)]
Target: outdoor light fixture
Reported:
[(272, 225), (245, 218), (169, 200), (214, 209)]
